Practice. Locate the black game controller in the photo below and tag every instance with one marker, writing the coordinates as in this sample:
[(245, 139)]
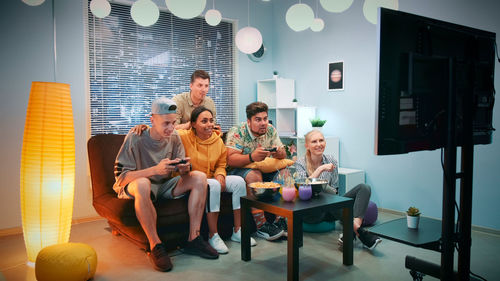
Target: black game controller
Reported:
[(182, 161), (272, 149)]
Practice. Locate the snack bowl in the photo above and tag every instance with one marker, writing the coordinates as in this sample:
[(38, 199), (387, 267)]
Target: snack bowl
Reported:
[(265, 191), (316, 184)]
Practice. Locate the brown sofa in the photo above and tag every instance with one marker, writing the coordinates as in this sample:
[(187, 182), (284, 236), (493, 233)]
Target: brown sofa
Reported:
[(173, 218)]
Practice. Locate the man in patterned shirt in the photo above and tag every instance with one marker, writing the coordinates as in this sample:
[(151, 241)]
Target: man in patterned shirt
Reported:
[(247, 143)]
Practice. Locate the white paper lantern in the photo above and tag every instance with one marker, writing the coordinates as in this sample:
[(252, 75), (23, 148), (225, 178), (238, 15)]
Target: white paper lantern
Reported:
[(100, 8), (248, 40), (370, 8), (186, 9), (34, 2), (213, 17), (317, 25), (145, 12), (299, 17), (336, 6)]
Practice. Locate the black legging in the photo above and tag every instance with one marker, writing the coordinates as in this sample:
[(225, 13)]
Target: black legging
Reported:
[(361, 194)]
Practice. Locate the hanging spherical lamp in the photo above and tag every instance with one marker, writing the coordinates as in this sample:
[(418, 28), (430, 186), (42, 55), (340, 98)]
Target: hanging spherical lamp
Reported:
[(370, 8), (248, 40), (186, 9), (145, 12), (317, 25), (336, 6), (34, 2), (100, 8), (299, 17), (213, 17)]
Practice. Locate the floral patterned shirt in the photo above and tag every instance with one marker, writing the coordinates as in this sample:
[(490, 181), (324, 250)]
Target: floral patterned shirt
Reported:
[(240, 138)]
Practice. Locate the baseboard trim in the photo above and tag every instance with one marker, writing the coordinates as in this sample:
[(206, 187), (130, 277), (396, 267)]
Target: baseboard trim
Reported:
[(86, 219), (486, 230), (10, 231), (473, 227), (390, 211), (19, 230)]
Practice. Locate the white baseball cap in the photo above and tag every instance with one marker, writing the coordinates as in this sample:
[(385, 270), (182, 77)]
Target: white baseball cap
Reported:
[(163, 105)]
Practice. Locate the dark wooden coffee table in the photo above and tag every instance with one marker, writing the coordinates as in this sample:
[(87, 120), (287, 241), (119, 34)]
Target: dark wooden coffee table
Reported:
[(294, 211)]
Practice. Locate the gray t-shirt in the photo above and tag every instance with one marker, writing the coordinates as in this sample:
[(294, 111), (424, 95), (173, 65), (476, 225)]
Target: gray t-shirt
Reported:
[(142, 152)]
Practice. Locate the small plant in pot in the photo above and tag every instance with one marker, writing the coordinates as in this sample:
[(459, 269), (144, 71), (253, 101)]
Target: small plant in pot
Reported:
[(317, 123), (412, 217), (294, 102)]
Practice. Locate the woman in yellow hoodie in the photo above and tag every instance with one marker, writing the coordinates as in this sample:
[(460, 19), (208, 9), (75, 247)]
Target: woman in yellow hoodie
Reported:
[(208, 154)]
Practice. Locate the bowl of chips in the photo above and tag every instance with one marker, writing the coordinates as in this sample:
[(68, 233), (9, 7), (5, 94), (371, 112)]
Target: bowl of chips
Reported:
[(264, 190)]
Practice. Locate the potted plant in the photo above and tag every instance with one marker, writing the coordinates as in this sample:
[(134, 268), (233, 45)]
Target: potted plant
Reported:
[(275, 74), (412, 217), (317, 123), (294, 102)]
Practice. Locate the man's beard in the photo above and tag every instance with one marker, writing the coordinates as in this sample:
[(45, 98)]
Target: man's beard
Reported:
[(259, 134)]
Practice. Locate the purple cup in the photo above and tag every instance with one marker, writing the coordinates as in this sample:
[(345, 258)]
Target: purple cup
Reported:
[(305, 192)]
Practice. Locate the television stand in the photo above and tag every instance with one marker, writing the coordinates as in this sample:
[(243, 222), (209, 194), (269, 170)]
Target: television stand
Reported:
[(426, 236)]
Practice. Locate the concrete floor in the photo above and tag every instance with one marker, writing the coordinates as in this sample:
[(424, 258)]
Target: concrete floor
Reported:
[(320, 259)]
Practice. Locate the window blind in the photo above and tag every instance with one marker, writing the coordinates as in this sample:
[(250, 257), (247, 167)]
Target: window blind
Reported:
[(130, 66)]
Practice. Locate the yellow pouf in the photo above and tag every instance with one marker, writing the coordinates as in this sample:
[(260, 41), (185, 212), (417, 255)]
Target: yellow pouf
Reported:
[(67, 261)]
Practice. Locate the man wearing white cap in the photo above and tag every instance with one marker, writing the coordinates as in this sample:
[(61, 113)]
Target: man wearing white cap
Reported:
[(145, 171)]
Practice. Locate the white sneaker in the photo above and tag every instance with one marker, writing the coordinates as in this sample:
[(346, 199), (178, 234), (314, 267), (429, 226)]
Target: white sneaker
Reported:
[(217, 243), (236, 237)]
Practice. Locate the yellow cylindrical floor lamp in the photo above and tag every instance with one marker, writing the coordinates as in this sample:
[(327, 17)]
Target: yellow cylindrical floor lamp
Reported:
[(47, 167)]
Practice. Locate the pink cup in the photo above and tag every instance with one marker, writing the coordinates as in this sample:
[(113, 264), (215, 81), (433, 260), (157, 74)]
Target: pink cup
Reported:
[(288, 193)]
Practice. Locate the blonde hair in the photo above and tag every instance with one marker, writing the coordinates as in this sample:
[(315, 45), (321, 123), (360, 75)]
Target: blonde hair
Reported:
[(310, 166)]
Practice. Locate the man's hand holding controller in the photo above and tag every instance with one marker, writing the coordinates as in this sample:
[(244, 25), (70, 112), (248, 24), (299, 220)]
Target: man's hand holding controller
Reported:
[(182, 166)]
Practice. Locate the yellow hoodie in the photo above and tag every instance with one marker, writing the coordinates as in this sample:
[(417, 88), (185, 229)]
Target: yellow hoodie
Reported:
[(208, 156)]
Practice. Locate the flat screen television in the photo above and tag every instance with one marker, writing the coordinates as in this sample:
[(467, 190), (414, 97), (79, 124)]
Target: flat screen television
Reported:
[(421, 61)]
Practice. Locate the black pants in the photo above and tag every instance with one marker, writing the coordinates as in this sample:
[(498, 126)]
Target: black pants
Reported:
[(360, 193)]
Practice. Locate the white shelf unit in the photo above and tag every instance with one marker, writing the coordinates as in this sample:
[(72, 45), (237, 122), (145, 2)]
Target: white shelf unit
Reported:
[(292, 122), (276, 93), (289, 120)]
